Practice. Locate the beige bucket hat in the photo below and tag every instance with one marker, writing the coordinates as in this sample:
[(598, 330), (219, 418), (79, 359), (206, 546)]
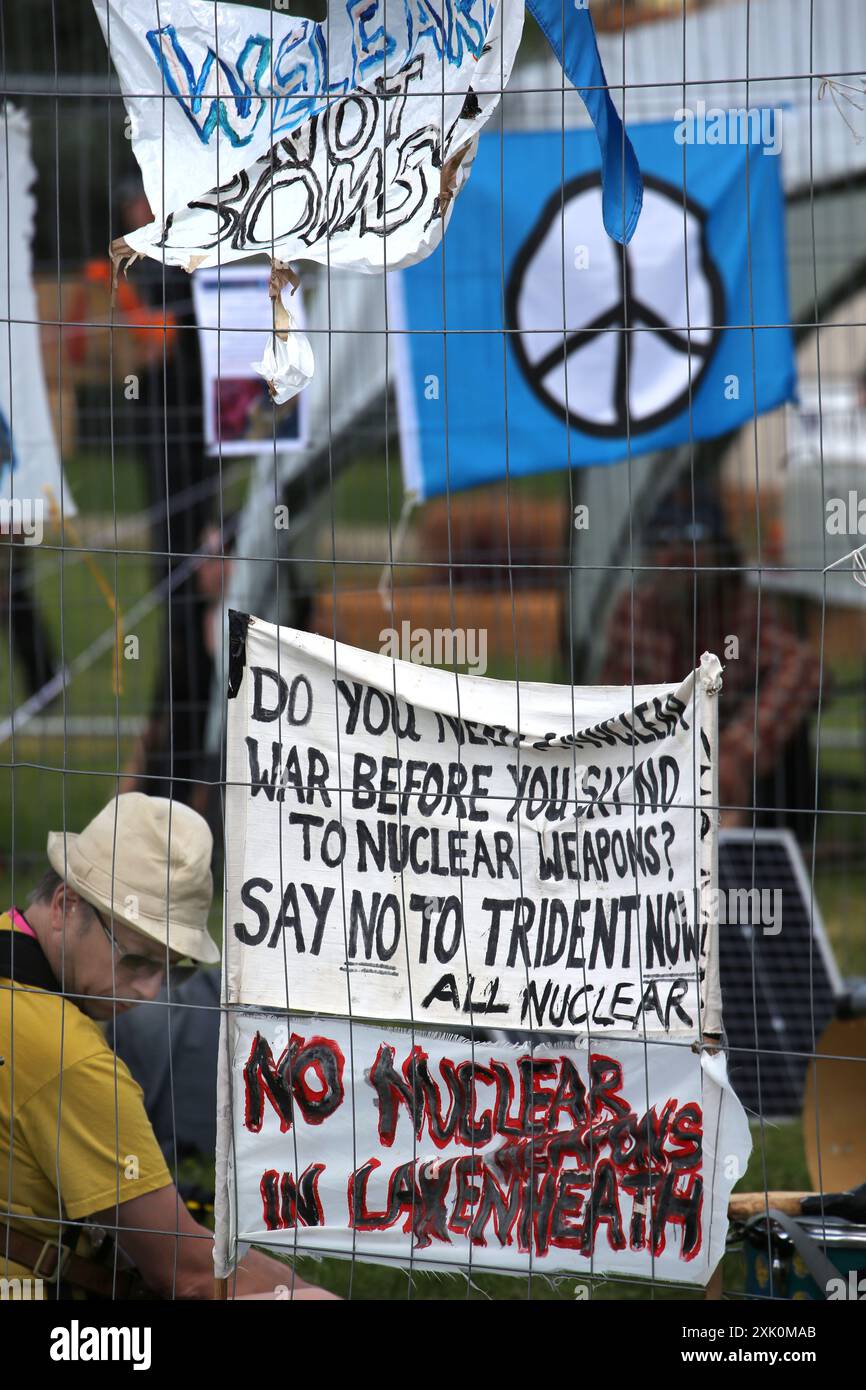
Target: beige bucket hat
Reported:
[(160, 851)]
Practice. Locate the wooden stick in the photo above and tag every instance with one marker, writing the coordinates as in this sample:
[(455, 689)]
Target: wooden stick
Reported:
[(745, 1204)]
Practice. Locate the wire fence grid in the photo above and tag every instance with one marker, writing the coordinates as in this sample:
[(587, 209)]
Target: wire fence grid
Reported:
[(113, 663)]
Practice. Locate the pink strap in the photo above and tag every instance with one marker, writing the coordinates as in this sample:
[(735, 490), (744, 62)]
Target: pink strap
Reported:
[(21, 923)]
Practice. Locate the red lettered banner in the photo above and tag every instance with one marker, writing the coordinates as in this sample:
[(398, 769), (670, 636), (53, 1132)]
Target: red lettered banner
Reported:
[(610, 1156)]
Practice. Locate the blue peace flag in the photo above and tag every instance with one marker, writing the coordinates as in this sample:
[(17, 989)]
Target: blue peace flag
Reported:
[(530, 341)]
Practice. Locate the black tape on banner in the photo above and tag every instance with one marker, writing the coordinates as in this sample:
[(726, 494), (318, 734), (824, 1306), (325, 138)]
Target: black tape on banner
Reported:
[(238, 624)]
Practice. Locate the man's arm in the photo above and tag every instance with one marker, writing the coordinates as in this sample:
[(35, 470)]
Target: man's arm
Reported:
[(103, 1127), (174, 1254)]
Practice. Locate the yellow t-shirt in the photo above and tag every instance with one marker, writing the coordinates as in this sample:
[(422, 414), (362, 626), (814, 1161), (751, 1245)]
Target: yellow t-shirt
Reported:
[(76, 1145)]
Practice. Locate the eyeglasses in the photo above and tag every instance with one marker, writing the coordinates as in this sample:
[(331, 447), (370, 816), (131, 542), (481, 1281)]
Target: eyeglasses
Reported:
[(129, 961)]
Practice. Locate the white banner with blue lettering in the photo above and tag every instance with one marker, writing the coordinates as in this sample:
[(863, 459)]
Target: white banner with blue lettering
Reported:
[(344, 143), (263, 132), (526, 309), (210, 88)]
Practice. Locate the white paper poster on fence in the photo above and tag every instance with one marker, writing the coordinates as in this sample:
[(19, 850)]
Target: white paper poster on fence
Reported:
[(407, 844), (614, 1158), (321, 142), (232, 310), (29, 457)]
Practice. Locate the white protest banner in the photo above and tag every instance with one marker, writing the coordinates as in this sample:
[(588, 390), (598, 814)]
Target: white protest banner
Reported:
[(593, 1157), (329, 142), (409, 844), (29, 458), (239, 79)]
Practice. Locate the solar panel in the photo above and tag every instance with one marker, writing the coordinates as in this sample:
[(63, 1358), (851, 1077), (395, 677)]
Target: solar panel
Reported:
[(779, 979)]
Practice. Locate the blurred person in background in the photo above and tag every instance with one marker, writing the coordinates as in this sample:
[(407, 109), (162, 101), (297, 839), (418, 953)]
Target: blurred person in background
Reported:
[(694, 597), (166, 426)]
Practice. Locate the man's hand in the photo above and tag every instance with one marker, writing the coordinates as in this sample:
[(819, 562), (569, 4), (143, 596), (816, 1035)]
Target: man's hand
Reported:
[(174, 1254)]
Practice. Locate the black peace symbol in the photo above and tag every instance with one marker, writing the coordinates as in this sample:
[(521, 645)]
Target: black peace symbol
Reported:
[(626, 313)]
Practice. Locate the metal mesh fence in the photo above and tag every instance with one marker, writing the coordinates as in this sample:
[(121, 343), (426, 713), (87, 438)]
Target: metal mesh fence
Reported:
[(569, 570)]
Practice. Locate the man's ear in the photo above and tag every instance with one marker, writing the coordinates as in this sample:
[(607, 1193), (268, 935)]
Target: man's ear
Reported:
[(66, 907)]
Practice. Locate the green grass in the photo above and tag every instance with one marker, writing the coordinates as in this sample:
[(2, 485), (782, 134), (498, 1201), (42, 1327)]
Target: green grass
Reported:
[(99, 486), (362, 491), (48, 782), (842, 900)]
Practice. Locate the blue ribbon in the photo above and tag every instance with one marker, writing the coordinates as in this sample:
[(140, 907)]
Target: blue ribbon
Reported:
[(569, 30)]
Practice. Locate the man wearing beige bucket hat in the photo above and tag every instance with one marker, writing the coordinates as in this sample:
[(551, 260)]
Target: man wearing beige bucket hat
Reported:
[(123, 901)]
